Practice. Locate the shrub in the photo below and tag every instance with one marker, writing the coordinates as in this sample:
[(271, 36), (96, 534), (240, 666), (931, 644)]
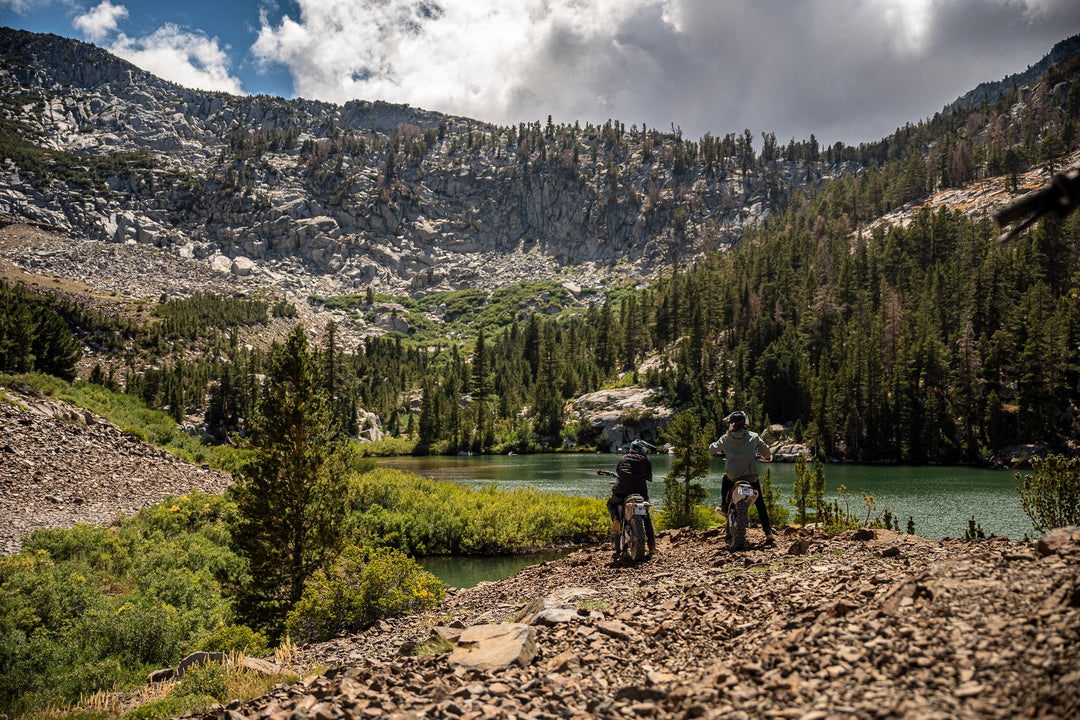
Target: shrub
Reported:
[(135, 432), (683, 494), (421, 516), (1051, 497), (235, 639), (701, 518), (800, 490), (362, 586), (207, 679), (89, 608), (778, 514)]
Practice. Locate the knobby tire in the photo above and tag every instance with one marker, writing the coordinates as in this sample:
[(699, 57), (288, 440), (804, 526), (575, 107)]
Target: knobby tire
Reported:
[(738, 519), (637, 539)]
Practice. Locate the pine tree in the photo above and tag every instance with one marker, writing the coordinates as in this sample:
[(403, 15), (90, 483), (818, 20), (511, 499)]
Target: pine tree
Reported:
[(56, 351), (292, 496), (481, 391), (548, 399), (682, 492)]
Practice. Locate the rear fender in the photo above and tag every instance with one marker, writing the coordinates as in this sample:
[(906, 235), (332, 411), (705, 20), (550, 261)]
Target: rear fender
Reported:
[(739, 494)]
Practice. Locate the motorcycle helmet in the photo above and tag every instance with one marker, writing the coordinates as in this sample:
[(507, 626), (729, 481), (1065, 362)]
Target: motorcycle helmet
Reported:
[(640, 446), (737, 420)]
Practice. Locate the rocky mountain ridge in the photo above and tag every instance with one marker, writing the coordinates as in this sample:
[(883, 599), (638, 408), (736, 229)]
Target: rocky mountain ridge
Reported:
[(990, 90), (363, 194)]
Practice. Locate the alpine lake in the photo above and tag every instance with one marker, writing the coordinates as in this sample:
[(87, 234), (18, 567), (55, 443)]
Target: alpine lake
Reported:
[(939, 499)]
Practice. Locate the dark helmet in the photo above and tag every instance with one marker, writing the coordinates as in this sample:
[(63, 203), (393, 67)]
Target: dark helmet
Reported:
[(737, 420), (640, 446)]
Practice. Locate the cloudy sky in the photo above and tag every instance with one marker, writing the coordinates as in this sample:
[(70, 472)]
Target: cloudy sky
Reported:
[(849, 70)]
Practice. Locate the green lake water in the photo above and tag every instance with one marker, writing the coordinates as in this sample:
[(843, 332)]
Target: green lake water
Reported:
[(940, 499)]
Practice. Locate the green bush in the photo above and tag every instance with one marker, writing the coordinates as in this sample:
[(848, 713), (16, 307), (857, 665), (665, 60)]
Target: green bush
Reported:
[(83, 715), (420, 516), (135, 432), (207, 679), (93, 608), (701, 518), (1051, 497), (362, 586), (235, 639)]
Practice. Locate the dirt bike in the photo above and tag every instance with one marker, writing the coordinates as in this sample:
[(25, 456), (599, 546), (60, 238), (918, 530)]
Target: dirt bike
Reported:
[(743, 496), (630, 538)]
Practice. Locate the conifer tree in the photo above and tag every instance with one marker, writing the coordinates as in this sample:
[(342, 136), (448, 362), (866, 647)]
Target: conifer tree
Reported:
[(682, 491), (548, 399), (292, 496), (56, 351), (481, 391)]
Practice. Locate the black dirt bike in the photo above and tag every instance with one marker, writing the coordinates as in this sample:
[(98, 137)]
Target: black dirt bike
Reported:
[(630, 538)]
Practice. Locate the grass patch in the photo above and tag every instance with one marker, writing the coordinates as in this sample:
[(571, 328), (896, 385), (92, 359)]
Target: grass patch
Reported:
[(434, 645), (590, 604)]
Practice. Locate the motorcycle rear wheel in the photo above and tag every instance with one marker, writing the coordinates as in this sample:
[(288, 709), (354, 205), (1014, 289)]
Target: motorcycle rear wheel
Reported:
[(737, 519), (636, 543)]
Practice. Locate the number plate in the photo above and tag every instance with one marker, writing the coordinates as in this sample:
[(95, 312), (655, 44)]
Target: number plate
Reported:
[(746, 491), (641, 510)]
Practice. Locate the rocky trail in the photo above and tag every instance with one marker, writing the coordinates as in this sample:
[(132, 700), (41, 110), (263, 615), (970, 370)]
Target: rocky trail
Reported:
[(868, 624)]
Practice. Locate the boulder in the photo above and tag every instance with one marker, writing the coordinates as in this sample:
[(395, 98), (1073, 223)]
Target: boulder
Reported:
[(619, 416), (262, 667), (1053, 541), (162, 675), (198, 658), (790, 453), (221, 264), (1019, 456), (242, 266)]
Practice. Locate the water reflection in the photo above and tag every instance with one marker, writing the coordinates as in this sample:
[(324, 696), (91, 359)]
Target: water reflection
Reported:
[(469, 571)]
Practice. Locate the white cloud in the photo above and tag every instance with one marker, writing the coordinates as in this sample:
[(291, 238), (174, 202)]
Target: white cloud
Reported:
[(101, 21), (484, 58), (186, 58), (850, 70)]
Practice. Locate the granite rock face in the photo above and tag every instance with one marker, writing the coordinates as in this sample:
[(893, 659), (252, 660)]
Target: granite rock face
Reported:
[(366, 194)]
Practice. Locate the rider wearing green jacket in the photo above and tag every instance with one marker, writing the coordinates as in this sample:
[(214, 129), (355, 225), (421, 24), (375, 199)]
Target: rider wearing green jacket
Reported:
[(740, 447)]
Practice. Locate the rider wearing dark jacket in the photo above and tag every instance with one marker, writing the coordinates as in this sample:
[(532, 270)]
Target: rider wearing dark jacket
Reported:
[(633, 473)]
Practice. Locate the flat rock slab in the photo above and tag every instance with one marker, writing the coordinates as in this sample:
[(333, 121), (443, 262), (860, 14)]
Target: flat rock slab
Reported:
[(495, 646)]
